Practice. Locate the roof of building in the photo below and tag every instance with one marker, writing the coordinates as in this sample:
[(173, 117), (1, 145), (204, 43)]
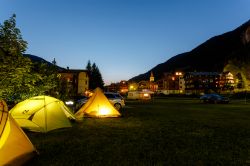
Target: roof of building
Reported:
[(72, 71)]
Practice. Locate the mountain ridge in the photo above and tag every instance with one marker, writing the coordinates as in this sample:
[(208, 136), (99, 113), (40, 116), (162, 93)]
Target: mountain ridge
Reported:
[(220, 49), (38, 59)]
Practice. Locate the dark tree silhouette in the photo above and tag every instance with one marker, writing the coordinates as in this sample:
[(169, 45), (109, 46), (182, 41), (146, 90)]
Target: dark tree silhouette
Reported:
[(95, 77)]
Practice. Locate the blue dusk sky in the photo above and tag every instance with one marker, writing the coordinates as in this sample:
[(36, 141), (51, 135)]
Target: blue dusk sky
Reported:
[(123, 37)]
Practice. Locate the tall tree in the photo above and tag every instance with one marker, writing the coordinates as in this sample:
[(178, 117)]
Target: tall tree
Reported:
[(19, 77), (88, 67), (13, 67), (89, 70), (95, 77), (15, 76), (11, 39), (47, 79)]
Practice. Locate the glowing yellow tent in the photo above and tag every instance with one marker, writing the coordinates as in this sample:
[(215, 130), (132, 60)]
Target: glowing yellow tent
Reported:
[(97, 106), (42, 114), (15, 146)]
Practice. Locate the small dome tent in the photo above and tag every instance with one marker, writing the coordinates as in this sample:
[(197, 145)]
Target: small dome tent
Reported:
[(42, 114), (97, 106), (15, 146)]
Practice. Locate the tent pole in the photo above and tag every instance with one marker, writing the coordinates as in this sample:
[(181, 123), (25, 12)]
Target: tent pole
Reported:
[(45, 114)]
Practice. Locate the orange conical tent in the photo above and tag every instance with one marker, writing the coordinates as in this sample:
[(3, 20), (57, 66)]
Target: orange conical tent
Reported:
[(15, 146), (97, 106)]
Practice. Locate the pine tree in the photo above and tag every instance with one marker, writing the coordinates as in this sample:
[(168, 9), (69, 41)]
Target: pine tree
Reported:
[(88, 67), (95, 77), (89, 70), (54, 62)]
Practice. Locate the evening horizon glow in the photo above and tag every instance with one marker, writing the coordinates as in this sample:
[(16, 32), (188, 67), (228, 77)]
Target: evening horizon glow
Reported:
[(123, 37)]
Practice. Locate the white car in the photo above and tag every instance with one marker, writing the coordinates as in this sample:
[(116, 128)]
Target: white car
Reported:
[(76, 102), (116, 99)]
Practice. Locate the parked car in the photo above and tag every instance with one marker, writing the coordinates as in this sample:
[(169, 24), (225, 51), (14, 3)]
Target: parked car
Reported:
[(76, 102), (214, 98), (116, 99)]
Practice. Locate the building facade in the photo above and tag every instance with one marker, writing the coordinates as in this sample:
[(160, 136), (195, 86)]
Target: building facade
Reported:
[(226, 81), (201, 82), (75, 81), (172, 83), (123, 87)]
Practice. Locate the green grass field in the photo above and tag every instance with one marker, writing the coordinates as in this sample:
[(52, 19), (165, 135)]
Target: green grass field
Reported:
[(169, 131)]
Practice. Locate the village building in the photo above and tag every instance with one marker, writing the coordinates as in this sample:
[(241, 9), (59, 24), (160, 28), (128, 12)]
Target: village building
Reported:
[(226, 81), (123, 87), (180, 83), (201, 82), (171, 83), (76, 81)]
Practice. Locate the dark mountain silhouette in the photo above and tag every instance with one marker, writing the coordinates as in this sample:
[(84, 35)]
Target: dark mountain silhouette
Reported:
[(38, 59), (212, 55)]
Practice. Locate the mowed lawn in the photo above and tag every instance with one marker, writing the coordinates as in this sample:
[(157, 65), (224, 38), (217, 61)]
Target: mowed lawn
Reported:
[(169, 131)]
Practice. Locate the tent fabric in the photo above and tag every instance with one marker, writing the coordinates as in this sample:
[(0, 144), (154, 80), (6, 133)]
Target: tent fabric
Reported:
[(97, 106), (42, 114), (15, 146)]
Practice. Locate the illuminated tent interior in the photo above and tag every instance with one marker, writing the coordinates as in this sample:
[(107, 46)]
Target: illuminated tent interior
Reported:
[(15, 146), (42, 114), (97, 106)]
